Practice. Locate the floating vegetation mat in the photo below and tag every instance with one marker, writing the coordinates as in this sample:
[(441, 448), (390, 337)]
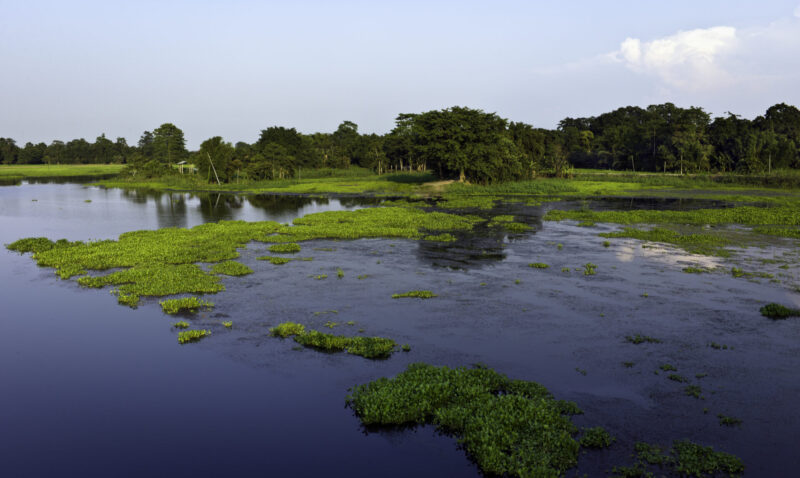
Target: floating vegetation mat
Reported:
[(367, 347), (508, 426), (187, 336), (189, 304), (686, 458), (164, 262), (778, 312)]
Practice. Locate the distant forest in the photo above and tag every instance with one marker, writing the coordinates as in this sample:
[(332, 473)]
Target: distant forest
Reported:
[(462, 143)]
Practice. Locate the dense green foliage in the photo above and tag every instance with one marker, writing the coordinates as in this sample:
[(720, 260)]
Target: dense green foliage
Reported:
[(508, 426), (686, 458), (231, 268), (596, 437), (189, 304)]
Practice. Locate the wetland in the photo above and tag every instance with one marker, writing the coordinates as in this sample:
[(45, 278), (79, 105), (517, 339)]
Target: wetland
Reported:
[(567, 332)]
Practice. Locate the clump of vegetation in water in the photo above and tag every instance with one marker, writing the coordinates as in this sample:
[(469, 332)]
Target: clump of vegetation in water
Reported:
[(606, 244), (189, 304), (406, 348), (677, 378), (368, 347), (668, 368), (628, 364), (685, 458), (508, 426), (339, 272), (158, 280), (290, 248), (693, 391), (320, 276), (419, 294), (737, 272), (443, 237), (181, 325), (227, 324), (287, 329), (131, 300), (729, 421), (362, 277), (278, 261), (589, 269), (565, 269), (695, 270), (187, 336), (330, 324), (778, 311), (31, 244), (596, 437), (641, 339), (717, 346), (538, 265)]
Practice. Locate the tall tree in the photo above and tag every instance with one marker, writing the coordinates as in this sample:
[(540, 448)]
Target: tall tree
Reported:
[(169, 146)]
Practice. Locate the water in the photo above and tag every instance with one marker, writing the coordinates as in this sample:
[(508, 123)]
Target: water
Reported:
[(90, 388)]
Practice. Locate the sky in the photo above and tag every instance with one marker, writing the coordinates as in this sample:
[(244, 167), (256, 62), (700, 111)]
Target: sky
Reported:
[(232, 68)]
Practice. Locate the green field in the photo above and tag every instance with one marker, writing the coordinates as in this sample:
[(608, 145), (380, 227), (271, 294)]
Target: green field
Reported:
[(58, 170)]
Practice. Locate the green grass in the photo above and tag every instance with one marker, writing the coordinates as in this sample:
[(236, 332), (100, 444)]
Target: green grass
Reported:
[(419, 294), (60, 170), (187, 336), (507, 426), (231, 268), (596, 437), (189, 304), (778, 311)]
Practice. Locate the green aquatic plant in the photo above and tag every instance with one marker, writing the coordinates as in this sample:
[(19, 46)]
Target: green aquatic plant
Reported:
[(538, 265), (606, 244), (278, 261), (289, 247), (589, 269), (158, 280), (700, 375), (677, 378), (362, 277), (641, 339), (367, 347), (565, 269), (131, 300), (508, 426), (778, 311), (668, 368), (227, 324), (187, 336), (181, 325), (320, 276), (330, 324), (729, 421), (419, 294), (693, 391), (717, 346), (339, 272), (628, 364), (596, 437), (695, 270), (188, 304), (700, 243), (406, 348), (287, 329), (692, 459)]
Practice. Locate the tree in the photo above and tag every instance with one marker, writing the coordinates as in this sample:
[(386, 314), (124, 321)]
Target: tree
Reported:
[(168, 144), (8, 151), (146, 144), (214, 160)]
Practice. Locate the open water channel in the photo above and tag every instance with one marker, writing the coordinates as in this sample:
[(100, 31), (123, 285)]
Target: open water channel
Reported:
[(92, 388)]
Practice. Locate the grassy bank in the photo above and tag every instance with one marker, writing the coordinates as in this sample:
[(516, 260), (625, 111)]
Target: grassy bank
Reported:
[(58, 170)]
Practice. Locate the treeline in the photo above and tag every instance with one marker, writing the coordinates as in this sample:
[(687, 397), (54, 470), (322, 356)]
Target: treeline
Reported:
[(462, 143)]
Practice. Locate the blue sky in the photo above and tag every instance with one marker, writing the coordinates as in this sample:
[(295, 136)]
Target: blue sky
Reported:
[(231, 68)]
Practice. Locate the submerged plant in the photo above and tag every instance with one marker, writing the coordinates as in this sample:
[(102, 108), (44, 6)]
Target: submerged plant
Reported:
[(192, 335), (508, 426), (188, 304), (419, 294)]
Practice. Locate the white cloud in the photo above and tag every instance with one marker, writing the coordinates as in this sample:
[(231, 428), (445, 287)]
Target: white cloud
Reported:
[(686, 60)]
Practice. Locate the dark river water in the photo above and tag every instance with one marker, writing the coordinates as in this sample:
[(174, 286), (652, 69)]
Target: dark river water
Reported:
[(90, 388)]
